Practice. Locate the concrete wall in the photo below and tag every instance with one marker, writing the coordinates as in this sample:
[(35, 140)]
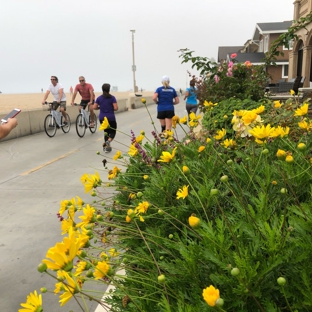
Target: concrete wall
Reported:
[(31, 122)]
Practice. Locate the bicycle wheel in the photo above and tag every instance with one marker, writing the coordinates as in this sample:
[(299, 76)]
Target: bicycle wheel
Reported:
[(50, 126), (65, 128), (93, 129), (80, 126)]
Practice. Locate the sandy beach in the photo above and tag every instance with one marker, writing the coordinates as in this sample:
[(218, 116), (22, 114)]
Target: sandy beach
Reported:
[(32, 101)]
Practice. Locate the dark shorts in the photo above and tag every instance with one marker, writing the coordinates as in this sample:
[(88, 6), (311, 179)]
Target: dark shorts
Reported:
[(191, 108), (84, 103), (165, 114), (56, 105)]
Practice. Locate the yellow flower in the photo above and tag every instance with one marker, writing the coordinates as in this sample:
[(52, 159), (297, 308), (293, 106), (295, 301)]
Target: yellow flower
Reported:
[(249, 117), (145, 177), (139, 138), (33, 303), (182, 193), (209, 104), (183, 120), (80, 267), (208, 140), (280, 131), (62, 254), (128, 219), (132, 196), (103, 256), (66, 225), (260, 141), (193, 221), (104, 124), (292, 92), (201, 148), (142, 207), (304, 125), (117, 155), (133, 150), (303, 110), (211, 295), (289, 159), (220, 134), (277, 104), (225, 116), (229, 143), (143, 101), (167, 134), (262, 132), (166, 156), (274, 182), (301, 146), (113, 252), (91, 181), (280, 153), (101, 270), (259, 110), (185, 169), (88, 216), (175, 121), (112, 174), (194, 119), (64, 204)]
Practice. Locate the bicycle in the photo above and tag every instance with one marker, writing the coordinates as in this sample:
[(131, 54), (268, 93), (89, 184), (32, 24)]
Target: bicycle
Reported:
[(83, 121), (54, 121)]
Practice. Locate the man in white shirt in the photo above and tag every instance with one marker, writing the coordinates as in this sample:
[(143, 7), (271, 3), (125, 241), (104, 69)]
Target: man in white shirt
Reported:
[(59, 96)]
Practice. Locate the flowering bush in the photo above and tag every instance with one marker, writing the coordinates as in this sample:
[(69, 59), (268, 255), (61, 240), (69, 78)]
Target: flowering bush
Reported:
[(218, 221), (226, 80)]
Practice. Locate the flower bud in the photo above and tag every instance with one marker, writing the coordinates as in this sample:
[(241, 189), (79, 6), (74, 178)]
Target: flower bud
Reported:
[(281, 281), (235, 272), (193, 221)]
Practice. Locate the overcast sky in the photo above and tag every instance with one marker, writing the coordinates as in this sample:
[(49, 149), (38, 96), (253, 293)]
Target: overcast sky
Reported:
[(69, 38)]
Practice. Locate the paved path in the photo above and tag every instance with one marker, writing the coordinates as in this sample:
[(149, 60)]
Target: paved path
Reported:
[(36, 173)]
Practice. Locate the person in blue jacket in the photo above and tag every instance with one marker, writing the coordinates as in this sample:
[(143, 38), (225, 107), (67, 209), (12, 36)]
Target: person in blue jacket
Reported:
[(191, 98), (165, 97)]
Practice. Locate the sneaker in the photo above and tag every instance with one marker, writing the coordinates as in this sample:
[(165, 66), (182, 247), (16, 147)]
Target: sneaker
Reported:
[(108, 149), (65, 123)]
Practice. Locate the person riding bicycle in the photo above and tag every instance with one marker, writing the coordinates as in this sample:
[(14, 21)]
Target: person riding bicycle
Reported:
[(59, 96), (87, 97)]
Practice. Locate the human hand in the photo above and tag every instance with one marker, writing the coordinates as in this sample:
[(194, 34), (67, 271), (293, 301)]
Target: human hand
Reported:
[(12, 122)]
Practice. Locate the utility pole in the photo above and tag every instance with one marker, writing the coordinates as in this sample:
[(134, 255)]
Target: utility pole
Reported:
[(133, 61)]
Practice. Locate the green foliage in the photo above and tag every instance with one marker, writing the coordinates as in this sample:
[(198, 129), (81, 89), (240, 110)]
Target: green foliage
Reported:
[(249, 224)]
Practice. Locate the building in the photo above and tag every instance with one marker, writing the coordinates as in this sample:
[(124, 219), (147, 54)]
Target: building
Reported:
[(300, 57), (255, 48)]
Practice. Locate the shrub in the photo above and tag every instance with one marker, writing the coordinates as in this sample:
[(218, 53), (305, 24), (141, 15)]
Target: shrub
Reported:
[(215, 222)]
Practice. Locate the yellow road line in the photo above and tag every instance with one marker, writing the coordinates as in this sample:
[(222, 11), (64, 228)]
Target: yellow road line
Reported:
[(48, 163)]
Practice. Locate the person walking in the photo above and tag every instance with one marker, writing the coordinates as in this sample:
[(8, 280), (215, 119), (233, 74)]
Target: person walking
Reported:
[(87, 97), (71, 90), (165, 96), (191, 98), (107, 104), (59, 96)]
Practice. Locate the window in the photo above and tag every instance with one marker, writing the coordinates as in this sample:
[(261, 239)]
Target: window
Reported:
[(266, 44), (291, 43), (285, 71), (260, 46)]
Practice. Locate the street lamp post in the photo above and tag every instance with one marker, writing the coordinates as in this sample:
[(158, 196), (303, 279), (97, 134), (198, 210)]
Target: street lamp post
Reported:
[(133, 62)]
